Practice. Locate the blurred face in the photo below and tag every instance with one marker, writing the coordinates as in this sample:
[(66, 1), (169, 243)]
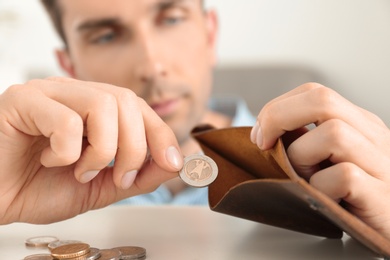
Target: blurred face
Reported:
[(163, 50)]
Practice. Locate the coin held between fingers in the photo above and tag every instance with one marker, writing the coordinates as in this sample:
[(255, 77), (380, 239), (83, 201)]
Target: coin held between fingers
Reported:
[(199, 170)]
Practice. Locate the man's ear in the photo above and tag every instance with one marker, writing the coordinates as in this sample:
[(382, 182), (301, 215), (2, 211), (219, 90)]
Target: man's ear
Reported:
[(65, 62), (212, 31)]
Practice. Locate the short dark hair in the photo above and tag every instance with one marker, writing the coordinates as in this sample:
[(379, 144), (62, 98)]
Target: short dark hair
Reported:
[(54, 10)]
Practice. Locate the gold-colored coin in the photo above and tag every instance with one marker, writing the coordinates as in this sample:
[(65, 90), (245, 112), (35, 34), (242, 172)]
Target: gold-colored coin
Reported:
[(132, 252), (40, 241), (58, 243), (39, 257), (93, 254), (70, 251), (198, 170)]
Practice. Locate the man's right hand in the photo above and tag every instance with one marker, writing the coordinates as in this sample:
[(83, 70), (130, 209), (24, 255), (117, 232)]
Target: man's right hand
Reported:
[(57, 137)]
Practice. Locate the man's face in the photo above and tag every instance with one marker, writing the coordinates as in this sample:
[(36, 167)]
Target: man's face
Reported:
[(163, 50)]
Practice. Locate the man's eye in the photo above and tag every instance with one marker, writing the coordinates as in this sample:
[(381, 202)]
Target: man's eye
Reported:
[(105, 38), (172, 20)]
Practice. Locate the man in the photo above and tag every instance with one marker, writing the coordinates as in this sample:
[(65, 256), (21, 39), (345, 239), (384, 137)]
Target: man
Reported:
[(163, 52)]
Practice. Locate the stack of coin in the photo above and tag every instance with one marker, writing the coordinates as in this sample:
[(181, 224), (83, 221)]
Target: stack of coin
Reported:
[(77, 250), (132, 252)]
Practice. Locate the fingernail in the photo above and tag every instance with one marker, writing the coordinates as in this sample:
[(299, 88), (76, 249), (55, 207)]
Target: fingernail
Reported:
[(88, 176), (128, 179), (174, 158), (254, 131), (259, 138)]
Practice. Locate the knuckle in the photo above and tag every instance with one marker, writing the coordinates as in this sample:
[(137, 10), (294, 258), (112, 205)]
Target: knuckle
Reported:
[(105, 101), (14, 89), (326, 101), (72, 122), (324, 96), (106, 98), (126, 95), (350, 173), (311, 86), (337, 136), (337, 132), (270, 115), (18, 94)]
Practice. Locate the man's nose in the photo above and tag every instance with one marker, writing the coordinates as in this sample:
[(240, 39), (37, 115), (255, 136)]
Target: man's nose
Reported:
[(149, 63)]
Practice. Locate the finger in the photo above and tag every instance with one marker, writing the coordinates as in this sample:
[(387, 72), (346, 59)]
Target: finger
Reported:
[(348, 182), (104, 192), (131, 142), (315, 106), (99, 112), (298, 90), (149, 178), (339, 142), (36, 115), (140, 128), (101, 129), (162, 141)]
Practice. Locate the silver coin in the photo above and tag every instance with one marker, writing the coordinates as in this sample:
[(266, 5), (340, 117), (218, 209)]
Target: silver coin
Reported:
[(199, 170), (110, 254), (132, 252), (58, 243), (39, 257), (40, 241)]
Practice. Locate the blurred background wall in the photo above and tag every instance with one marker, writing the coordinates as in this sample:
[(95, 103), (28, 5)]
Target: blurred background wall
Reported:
[(265, 48)]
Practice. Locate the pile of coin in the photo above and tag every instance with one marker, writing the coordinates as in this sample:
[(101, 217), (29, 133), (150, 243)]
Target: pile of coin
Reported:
[(77, 250)]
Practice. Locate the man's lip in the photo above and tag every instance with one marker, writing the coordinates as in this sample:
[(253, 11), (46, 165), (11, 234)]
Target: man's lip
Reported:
[(165, 108)]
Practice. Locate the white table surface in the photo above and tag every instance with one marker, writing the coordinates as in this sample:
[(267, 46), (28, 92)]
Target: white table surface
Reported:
[(181, 233)]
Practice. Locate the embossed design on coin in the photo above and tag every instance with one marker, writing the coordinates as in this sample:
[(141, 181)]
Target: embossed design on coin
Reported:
[(70, 251), (198, 170), (132, 252), (40, 241)]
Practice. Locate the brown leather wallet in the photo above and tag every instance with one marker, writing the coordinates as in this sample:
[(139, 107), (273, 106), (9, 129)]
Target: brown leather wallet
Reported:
[(262, 186)]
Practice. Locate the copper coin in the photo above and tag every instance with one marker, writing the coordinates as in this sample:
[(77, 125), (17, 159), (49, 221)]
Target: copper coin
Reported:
[(40, 241), (110, 254), (93, 254), (132, 252), (58, 243), (70, 251), (198, 170), (39, 257)]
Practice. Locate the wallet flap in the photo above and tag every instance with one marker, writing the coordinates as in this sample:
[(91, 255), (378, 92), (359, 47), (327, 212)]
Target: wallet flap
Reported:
[(262, 186), (232, 144)]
